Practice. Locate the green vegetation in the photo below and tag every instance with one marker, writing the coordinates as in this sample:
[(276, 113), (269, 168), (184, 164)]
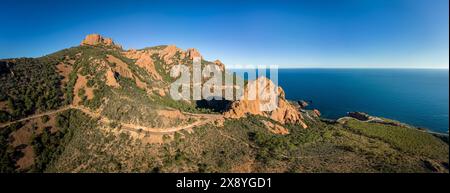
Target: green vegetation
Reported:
[(8, 154), (159, 66), (186, 106), (99, 96), (48, 146), (212, 149), (160, 47), (29, 85), (4, 116), (45, 118), (405, 139)]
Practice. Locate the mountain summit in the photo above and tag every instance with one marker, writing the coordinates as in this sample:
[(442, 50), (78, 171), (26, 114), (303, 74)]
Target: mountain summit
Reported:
[(97, 39)]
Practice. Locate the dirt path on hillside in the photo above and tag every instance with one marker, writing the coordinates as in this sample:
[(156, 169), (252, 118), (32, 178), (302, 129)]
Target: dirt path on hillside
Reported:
[(36, 116), (208, 118)]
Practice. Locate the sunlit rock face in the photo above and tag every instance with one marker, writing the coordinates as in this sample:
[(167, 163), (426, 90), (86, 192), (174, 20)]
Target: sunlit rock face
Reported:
[(283, 113)]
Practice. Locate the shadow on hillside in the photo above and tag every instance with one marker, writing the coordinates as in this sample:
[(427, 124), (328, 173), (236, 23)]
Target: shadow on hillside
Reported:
[(213, 104)]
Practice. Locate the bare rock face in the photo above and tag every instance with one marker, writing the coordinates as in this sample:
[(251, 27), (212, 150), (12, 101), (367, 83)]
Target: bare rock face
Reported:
[(170, 55), (120, 67), (169, 52), (283, 113), (144, 60), (96, 39), (111, 79)]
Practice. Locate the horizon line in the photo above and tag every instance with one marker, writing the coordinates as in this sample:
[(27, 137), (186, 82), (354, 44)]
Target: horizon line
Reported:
[(346, 67)]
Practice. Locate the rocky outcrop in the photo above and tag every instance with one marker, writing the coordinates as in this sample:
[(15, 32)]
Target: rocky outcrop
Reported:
[(275, 128), (144, 60), (120, 67), (283, 113), (434, 166), (192, 53), (365, 117), (219, 64), (303, 104), (359, 115), (317, 112), (170, 55), (169, 52), (111, 79), (96, 39)]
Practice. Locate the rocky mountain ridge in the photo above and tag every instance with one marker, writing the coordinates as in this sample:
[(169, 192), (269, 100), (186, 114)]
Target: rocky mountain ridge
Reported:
[(285, 113)]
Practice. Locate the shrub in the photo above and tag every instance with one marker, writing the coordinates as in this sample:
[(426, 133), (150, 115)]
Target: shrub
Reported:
[(45, 118)]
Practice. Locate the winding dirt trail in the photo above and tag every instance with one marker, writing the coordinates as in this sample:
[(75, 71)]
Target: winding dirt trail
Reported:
[(207, 118)]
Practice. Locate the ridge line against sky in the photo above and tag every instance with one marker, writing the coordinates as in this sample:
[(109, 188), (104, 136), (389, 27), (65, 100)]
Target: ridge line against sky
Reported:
[(233, 67), (300, 34)]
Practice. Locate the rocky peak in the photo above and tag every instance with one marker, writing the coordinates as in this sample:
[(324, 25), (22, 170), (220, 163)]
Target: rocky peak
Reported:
[(192, 53), (96, 39), (168, 53), (220, 64)]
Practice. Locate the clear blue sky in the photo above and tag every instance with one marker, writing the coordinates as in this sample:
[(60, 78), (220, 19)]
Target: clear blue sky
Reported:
[(309, 33)]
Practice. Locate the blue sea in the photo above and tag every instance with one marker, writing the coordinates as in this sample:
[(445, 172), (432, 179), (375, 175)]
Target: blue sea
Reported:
[(418, 97)]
